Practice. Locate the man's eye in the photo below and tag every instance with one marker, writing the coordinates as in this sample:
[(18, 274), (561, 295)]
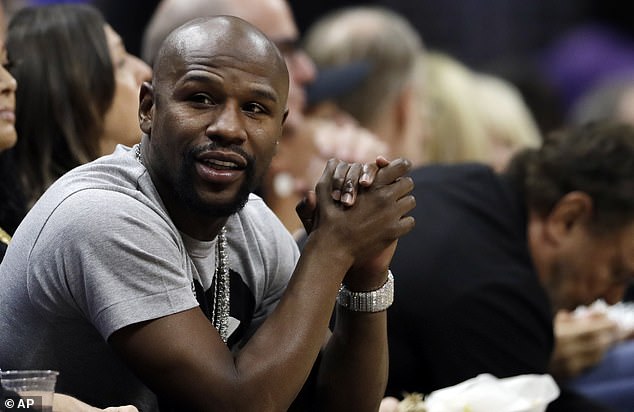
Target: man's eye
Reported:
[(254, 108), (203, 99)]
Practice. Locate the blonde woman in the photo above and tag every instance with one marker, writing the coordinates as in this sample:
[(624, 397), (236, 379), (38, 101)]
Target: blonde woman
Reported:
[(470, 116), (508, 123), (454, 132)]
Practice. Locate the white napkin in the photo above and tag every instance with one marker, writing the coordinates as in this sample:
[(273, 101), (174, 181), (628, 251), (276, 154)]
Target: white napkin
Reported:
[(486, 393), (622, 313)]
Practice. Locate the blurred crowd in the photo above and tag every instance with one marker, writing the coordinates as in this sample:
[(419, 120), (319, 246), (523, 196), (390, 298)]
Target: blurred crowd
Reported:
[(461, 83)]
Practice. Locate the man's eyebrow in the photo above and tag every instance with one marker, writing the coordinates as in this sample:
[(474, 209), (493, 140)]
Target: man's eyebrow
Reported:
[(197, 77), (261, 92), (265, 93)]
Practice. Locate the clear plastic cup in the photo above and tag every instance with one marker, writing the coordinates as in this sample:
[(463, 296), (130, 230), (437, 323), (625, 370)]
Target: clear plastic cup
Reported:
[(34, 387)]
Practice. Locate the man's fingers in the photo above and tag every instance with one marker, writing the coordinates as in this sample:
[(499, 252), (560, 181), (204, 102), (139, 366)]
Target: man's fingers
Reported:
[(351, 184), (324, 185), (307, 210), (368, 174), (370, 170), (395, 169), (381, 161), (338, 179)]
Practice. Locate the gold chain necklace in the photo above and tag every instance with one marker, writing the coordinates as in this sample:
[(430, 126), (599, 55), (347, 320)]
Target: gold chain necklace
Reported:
[(220, 283)]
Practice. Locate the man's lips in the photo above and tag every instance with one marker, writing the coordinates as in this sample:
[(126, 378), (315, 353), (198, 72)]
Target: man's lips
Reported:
[(220, 167), (223, 160)]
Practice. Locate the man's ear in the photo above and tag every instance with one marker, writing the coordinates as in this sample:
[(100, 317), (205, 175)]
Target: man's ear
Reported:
[(572, 211), (146, 107)]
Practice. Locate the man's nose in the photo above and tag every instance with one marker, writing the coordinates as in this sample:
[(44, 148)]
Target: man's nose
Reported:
[(228, 124)]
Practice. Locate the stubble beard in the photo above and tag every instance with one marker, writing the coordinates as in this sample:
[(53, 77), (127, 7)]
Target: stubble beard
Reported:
[(560, 287), (189, 197)]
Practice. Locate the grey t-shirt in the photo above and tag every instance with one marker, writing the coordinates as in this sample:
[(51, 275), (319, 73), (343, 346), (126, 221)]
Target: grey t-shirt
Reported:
[(99, 252)]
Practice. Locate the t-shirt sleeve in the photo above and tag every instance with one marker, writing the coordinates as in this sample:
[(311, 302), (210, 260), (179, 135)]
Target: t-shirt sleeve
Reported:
[(111, 259)]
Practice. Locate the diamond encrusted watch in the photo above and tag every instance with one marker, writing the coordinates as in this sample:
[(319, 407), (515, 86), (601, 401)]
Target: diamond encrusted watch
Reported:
[(374, 301)]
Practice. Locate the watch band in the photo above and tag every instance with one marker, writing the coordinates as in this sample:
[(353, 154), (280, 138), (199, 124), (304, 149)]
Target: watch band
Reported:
[(374, 301)]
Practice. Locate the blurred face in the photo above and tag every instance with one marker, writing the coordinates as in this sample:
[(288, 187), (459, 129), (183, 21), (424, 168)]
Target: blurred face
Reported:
[(213, 118), (274, 18), (8, 86), (590, 267), (121, 123)]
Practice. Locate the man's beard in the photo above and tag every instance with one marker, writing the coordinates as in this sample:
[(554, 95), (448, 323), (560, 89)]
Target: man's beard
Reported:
[(188, 196), (563, 287)]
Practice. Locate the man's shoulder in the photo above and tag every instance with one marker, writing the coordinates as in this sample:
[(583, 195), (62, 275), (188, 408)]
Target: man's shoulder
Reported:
[(97, 192), (117, 170), (105, 178)]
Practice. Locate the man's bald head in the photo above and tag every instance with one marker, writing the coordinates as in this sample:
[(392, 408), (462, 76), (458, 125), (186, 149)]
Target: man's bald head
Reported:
[(208, 38), (273, 17)]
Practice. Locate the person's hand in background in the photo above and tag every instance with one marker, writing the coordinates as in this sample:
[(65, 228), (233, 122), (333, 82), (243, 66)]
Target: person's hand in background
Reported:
[(581, 342)]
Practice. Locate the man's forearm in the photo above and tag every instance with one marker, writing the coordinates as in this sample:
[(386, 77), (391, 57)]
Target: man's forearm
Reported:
[(354, 368)]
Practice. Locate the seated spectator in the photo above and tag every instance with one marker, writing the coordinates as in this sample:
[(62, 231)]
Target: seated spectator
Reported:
[(8, 135), (73, 108), (494, 257), (472, 116), (384, 102), (186, 291), (605, 369)]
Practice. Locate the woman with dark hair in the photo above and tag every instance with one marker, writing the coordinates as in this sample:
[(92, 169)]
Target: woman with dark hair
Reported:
[(78, 97), (8, 136)]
